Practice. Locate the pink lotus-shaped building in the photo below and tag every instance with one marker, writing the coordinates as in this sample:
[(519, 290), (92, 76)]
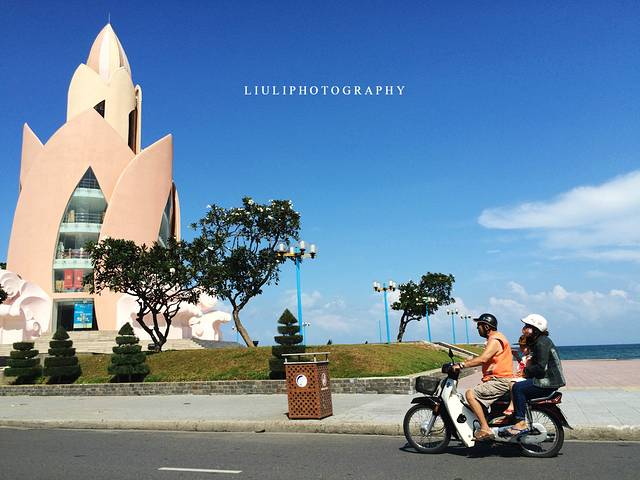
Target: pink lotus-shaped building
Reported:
[(90, 181)]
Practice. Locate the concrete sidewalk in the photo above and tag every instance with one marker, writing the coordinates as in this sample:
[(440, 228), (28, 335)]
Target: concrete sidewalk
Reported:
[(601, 401)]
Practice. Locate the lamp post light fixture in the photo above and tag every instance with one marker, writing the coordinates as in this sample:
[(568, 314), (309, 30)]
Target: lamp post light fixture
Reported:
[(234, 329), (296, 255), (427, 301), (466, 325), (304, 338), (384, 288), (453, 313)]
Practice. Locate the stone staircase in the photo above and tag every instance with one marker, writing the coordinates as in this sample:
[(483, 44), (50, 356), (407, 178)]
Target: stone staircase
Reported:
[(101, 342)]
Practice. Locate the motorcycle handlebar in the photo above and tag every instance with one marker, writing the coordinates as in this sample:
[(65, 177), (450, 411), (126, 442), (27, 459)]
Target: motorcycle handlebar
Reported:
[(450, 371)]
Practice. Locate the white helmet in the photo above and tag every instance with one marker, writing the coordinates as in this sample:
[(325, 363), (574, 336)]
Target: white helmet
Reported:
[(537, 321)]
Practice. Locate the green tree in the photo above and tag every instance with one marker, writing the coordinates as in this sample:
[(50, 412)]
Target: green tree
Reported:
[(236, 251), (412, 302), (159, 278), (62, 366), (289, 341), (128, 362), (23, 363)]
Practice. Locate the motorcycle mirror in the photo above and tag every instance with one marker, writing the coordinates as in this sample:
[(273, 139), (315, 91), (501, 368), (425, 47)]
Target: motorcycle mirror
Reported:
[(450, 354)]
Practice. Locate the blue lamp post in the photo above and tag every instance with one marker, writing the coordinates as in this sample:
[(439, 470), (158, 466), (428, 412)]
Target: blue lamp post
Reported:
[(234, 329), (384, 288), (453, 313), (466, 325), (297, 254), (304, 337), (427, 301)]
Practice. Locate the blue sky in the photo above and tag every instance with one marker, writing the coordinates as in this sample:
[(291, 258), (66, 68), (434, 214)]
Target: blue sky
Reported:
[(511, 160)]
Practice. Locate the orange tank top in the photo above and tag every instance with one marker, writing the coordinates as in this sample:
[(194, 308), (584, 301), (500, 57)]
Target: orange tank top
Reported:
[(501, 365)]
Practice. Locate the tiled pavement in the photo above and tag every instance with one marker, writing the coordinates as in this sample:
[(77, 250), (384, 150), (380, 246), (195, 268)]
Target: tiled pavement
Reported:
[(601, 400)]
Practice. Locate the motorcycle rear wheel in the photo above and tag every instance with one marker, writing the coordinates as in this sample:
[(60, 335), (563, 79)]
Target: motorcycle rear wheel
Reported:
[(555, 436), (415, 423)]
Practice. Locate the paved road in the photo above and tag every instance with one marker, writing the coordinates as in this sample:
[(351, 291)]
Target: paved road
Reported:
[(96, 454)]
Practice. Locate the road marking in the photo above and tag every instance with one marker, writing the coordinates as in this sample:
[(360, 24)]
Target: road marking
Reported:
[(198, 470)]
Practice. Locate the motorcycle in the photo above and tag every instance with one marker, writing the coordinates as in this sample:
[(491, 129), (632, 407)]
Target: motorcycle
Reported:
[(442, 413)]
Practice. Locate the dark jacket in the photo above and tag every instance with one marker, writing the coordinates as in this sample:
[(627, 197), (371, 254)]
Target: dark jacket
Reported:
[(545, 367)]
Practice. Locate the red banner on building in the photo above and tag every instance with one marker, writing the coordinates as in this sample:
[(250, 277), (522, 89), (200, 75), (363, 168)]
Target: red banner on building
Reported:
[(77, 279), (68, 279)]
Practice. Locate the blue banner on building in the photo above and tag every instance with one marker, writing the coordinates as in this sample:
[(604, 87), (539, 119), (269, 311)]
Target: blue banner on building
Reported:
[(82, 315)]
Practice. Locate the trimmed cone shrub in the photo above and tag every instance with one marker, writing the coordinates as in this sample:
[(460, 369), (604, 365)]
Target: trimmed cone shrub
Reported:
[(128, 363), (62, 366), (23, 363), (289, 341)]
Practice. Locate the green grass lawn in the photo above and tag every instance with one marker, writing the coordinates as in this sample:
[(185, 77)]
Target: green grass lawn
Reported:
[(472, 347), (345, 361)]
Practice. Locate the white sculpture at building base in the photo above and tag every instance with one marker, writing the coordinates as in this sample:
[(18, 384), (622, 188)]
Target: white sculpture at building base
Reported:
[(26, 313), (201, 321)]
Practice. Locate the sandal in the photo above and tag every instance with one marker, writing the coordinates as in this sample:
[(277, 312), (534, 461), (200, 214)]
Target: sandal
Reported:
[(483, 436), (513, 432)]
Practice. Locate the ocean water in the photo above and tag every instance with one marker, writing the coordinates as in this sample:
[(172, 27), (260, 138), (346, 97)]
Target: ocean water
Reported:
[(588, 352)]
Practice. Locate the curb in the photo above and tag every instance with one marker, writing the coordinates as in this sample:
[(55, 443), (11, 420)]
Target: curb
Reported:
[(596, 433), (604, 433), (245, 426)]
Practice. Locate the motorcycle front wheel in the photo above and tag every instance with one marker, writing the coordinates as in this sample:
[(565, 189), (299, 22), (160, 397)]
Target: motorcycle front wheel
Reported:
[(426, 431), (553, 441)]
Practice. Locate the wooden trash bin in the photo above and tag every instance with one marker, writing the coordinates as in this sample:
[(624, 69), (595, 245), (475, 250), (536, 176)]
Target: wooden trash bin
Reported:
[(308, 385)]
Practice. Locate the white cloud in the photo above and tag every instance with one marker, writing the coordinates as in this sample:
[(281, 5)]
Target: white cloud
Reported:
[(330, 322), (517, 289), (596, 222), (575, 317), (619, 293), (325, 315), (613, 255)]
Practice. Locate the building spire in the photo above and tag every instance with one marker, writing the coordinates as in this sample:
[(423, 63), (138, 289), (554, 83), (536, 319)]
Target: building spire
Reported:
[(107, 54)]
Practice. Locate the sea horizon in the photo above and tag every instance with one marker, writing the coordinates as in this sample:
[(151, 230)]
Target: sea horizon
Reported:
[(613, 351)]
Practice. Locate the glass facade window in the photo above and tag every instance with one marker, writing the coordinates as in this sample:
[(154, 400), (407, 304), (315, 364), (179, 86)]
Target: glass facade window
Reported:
[(167, 222), (133, 128), (81, 223), (100, 108)]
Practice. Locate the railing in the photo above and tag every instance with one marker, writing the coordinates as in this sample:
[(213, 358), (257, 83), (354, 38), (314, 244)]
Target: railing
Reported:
[(60, 288), (73, 253), (81, 217)]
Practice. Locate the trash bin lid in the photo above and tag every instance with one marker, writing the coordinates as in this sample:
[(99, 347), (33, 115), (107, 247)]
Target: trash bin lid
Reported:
[(307, 357)]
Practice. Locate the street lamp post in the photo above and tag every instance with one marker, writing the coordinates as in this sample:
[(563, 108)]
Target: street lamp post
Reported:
[(383, 288), (297, 254), (234, 329), (304, 337), (427, 301), (466, 325), (453, 313)]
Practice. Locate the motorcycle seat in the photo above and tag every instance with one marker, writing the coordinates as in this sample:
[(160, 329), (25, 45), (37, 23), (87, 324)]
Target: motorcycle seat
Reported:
[(505, 398)]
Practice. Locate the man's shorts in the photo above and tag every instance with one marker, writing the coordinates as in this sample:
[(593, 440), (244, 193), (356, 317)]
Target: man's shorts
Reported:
[(488, 392)]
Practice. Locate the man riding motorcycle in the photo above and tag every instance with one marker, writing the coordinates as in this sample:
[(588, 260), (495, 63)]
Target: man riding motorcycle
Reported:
[(497, 372)]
